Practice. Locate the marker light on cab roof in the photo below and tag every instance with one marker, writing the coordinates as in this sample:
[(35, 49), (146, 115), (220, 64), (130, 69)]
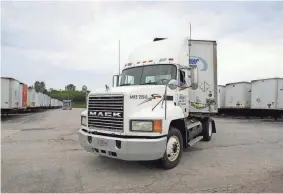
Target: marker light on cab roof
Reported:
[(163, 59)]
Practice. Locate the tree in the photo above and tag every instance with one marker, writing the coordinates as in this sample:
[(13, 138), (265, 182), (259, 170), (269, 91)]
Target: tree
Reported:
[(39, 86), (70, 87)]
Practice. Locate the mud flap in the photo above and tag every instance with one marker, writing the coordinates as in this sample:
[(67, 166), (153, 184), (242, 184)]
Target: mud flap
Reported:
[(213, 126)]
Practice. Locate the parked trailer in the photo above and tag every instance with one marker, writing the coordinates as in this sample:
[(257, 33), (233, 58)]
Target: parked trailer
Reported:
[(55, 103), (44, 100), (9, 94), (237, 99), (24, 94), (221, 96), (20, 96), (221, 99), (31, 98), (52, 103), (41, 99), (37, 100), (267, 97), (49, 102)]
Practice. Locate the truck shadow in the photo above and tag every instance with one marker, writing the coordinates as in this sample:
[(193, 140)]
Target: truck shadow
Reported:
[(123, 166), (131, 166)]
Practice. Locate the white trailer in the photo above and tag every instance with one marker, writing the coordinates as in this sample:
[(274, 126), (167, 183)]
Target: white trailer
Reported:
[(20, 96), (162, 104), (37, 99), (204, 56), (221, 96), (45, 99), (40, 99), (267, 97), (10, 92), (52, 102), (31, 97), (267, 94), (238, 95), (48, 101)]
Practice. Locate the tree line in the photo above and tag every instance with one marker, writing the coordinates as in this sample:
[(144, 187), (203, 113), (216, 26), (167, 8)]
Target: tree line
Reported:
[(70, 92)]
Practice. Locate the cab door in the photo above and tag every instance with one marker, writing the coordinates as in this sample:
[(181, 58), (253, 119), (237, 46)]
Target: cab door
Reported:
[(182, 93)]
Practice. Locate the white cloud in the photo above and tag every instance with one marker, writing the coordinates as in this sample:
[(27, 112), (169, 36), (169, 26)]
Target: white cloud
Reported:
[(84, 35)]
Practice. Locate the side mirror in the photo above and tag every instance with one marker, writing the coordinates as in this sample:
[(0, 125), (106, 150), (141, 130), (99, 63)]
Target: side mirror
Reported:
[(115, 81), (172, 84), (194, 78)]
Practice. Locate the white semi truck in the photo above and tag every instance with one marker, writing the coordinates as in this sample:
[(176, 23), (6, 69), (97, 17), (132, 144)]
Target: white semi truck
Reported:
[(160, 104)]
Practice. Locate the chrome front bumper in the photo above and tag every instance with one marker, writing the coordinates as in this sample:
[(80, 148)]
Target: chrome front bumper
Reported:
[(123, 148)]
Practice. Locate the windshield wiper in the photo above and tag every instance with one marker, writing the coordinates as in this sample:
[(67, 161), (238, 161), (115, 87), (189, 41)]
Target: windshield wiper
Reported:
[(149, 83)]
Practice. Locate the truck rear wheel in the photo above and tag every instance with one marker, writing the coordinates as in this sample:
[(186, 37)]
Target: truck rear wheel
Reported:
[(206, 129), (174, 149)]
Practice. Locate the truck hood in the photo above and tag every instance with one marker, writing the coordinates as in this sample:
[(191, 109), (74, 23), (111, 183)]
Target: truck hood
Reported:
[(139, 99)]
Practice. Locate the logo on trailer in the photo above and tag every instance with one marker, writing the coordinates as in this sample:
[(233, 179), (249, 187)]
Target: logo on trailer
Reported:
[(105, 114), (198, 62)]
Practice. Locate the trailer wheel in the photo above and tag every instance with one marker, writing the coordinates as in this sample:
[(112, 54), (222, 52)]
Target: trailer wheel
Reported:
[(207, 129), (174, 149)]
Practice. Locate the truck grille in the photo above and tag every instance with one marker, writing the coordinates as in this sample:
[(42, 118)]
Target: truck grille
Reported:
[(106, 112)]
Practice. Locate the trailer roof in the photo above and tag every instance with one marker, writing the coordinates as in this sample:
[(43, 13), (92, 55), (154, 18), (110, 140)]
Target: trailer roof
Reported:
[(213, 41), (10, 78), (238, 83), (266, 79)]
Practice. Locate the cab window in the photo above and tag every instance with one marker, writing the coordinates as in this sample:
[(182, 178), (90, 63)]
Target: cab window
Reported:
[(182, 76)]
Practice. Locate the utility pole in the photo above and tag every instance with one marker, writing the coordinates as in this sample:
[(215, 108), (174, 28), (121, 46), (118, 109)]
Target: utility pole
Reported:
[(119, 58)]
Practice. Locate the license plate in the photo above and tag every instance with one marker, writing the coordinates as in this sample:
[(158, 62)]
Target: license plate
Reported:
[(102, 142)]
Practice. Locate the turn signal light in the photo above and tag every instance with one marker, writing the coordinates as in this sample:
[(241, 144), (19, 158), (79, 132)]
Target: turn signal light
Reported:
[(157, 126)]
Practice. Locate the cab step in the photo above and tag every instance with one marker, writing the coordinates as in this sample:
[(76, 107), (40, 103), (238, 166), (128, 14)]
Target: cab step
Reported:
[(195, 140)]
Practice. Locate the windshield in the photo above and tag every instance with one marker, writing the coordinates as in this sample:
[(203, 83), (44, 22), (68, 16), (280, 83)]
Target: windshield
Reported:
[(150, 74)]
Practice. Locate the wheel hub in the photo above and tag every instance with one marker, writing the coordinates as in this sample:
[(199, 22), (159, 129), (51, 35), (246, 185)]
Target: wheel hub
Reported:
[(173, 148)]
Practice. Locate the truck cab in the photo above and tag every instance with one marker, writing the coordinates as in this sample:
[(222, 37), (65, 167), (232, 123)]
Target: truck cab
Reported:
[(67, 105), (159, 105)]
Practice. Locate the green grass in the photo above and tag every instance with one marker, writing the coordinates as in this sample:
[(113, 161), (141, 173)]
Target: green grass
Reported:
[(78, 105)]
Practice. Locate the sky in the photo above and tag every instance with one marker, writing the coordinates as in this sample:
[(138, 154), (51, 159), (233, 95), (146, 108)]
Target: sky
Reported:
[(77, 42)]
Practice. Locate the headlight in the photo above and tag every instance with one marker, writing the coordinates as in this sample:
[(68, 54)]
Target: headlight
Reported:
[(147, 126), (83, 120)]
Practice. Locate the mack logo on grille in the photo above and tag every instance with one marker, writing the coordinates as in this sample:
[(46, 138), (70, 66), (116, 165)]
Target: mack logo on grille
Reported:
[(105, 114)]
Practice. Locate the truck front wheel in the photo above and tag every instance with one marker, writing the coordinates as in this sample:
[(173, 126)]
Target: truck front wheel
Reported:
[(174, 149)]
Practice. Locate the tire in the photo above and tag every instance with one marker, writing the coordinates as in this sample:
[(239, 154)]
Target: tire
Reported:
[(170, 161), (206, 129)]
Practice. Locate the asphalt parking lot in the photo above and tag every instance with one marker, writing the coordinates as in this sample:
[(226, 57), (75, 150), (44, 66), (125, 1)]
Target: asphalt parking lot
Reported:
[(40, 153)]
